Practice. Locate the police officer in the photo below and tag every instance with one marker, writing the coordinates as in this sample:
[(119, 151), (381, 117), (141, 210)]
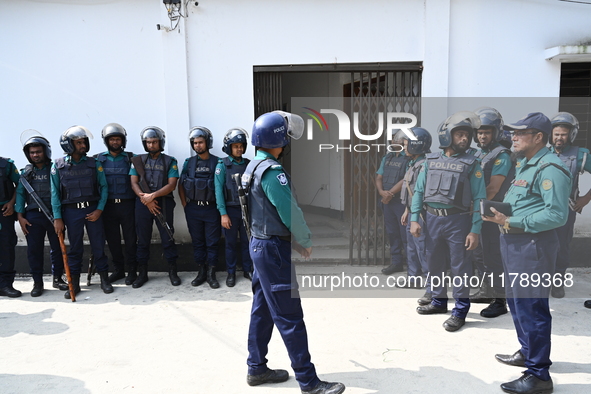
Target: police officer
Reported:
[(228, 204), (389, 183), (8, 178), (119, 211), (34, 224), (78, 197), (161, 177), (415, 251), (274, 219), (197, 193), (529, 247), (499, 171), (449, 183), (564, 131)]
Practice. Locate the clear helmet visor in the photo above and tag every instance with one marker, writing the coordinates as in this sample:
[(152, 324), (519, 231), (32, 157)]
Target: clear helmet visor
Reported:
[(78, 132), (464, 118), (30, 134), (152, 133), (234, 133), (295, 124)]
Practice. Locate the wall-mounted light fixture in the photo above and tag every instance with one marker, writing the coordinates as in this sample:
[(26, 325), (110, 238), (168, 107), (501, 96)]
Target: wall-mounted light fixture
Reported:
[(177, 9)]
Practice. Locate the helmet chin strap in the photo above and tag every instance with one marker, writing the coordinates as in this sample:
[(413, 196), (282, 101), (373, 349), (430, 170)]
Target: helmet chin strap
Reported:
[(284, 151)]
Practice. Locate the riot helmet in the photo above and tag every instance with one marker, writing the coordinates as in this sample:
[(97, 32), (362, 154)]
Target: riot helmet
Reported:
[(114, 130), (490, 117), (422, 144), (33, 137), (505, 139), (75, 133), (201, 132), (567, 120), (273, 129), (153, 132), (234, 136), (464, 120)]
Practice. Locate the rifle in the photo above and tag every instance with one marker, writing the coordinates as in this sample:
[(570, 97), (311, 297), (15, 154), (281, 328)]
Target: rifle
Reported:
[(49, 216), (91, 269), (139, 167), (243, 203)]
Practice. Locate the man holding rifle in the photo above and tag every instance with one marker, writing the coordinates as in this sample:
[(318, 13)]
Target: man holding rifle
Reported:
[(78, 197), (36, 219), (154, 176)]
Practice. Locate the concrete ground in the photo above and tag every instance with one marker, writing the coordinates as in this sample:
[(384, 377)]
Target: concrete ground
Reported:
[(164, 339)]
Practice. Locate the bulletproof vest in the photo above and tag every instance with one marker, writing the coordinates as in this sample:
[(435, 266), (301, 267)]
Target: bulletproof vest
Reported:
[(6, 185), (394, 169), (265, 221), (569, 158), (230, 187), (117, 174), (157, 171), (198, 182), (410, 179), (41, 183), (78, 181), (448, 180), (487, 161)]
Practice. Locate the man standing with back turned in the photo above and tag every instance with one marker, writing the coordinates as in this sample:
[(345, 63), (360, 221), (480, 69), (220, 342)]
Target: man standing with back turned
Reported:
[(529, 247), (274, 219)]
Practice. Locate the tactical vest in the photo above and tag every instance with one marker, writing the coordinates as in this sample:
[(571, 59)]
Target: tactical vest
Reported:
[(78, 181), (265, 221), (230, 187), (569, 158), (157, 171), (6, 185), (487, 161), (41, 183), (410, 179), (394, 169), (448, 180), (198, 182), (117, 174)]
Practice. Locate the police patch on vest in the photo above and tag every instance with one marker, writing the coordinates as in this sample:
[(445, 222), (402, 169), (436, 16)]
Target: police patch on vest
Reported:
[(547, 184), (282, 179), (478, 174), (497, 162), (218, 171)]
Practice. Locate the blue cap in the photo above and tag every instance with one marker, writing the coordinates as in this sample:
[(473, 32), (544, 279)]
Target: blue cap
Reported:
[(535, 120)]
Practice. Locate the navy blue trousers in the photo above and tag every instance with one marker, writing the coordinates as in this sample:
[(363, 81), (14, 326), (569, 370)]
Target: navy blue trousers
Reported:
[(445, 242), (231, 237), (276, 302), (530, 254), (565, 235), (8, 242), (205, 228), (75, 221), (396, 231), (415, 251), (144, 221), (119, 218), (39, 228), (491, 252)]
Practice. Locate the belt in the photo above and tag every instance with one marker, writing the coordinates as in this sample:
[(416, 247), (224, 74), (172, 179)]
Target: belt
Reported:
[(201, 203), (119, 200), (512, 230), (285, 237), (444, 211), (78, 205)]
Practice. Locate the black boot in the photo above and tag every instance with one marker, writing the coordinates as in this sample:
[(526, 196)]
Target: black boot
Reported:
[(231, 279), (141, 278), (75, 284), (105, 284), (497, 308), (118, 273), (37, 289), (211, 280), (173, 275), (58, 283), (131, 275), (483, 295), (201, 276)]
